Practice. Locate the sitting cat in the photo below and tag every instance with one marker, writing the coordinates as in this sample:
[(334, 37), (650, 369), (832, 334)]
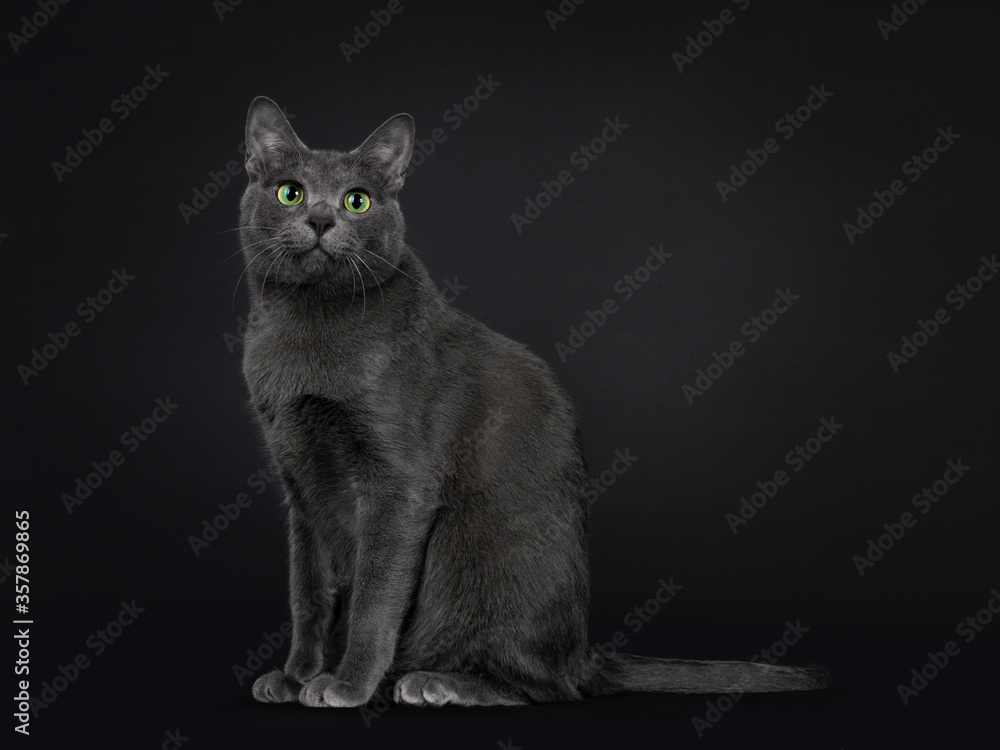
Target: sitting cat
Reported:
[(432, 468)]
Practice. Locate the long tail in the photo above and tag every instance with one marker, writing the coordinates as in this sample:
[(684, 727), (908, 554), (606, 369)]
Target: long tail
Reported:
[(628, 673)]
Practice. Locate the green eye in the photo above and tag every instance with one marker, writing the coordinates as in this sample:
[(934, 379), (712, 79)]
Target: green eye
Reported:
[(290, 194), (357, 202)]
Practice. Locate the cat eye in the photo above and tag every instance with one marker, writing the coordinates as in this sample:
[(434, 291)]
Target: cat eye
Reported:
[(290, 194), (357, 202)]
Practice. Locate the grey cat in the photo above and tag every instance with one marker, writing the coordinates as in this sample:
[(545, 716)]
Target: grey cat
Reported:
[(432, 468)]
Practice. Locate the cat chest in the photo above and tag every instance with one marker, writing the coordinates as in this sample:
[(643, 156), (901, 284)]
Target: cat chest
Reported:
[(281, 365)]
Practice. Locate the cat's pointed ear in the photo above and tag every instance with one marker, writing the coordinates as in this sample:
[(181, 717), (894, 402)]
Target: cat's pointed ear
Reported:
[(270, 140), (389, 148)]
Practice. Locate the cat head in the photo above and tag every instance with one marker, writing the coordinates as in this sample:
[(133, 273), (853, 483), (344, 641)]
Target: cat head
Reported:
[(322, 218)]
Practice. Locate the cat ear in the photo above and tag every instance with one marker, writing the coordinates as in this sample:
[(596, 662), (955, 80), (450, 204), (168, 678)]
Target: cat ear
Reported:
[(389, 148), (269, 137)]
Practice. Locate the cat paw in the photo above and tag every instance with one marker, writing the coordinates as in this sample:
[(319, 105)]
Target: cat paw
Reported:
[(276, 687), (326, 691), (425, 689)]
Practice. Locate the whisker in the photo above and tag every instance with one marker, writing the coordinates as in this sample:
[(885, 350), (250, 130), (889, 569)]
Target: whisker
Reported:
[(247, 267), (241, 250), (354, 288), (244, 247), (259, 242), (238, 252), (287, 255), (373, 276), (226, 260), (264, 282), (364, 296), (388, 263), (237, 229)]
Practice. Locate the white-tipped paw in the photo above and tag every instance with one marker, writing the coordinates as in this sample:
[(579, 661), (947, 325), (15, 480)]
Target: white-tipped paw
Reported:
[(424, 689), (326, 691), (276, 687)]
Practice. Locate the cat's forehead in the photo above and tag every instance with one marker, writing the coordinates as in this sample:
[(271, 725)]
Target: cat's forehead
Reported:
[(329, 166)]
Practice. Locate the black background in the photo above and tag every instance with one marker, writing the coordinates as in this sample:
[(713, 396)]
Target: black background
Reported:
[(163, 336)]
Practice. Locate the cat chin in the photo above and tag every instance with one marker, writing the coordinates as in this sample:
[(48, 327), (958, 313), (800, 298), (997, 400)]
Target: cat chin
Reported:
[(308, 262), (317, 266), (315, 262)]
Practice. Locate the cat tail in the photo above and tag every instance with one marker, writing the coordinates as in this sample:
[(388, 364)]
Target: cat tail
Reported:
[(628, 673)]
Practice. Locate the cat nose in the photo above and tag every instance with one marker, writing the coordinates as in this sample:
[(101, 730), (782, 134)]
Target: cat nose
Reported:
[(320, 217)]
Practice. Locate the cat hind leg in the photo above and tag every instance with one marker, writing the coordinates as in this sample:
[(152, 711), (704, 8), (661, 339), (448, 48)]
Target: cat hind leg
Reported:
[(456, 689)]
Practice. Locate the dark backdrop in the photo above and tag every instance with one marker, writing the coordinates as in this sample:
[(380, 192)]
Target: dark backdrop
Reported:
[(172, 334)]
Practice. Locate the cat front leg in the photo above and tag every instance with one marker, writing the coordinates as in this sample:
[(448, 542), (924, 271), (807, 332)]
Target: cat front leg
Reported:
[(392, 531), (312, 603)]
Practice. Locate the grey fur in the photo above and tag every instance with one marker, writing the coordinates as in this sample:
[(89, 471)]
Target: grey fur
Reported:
[(432, 468)]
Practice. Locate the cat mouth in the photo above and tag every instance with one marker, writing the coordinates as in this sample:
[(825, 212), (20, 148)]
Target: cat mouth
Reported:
[(314, 254), (321, 259), (318, 249)]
